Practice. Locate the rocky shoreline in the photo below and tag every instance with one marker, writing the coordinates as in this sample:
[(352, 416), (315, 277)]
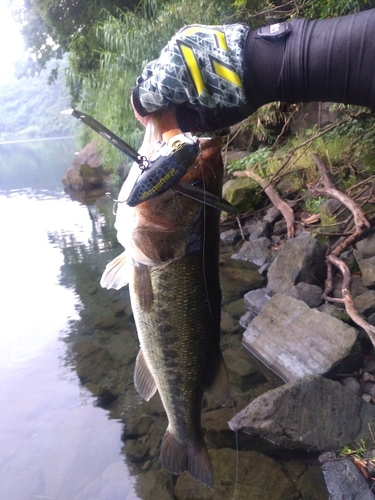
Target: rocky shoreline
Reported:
[(302, 373), (325, 361)]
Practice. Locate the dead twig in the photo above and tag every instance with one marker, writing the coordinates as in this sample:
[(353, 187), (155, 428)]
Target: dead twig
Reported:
[(347, 298), (280, 204), (362, 227)]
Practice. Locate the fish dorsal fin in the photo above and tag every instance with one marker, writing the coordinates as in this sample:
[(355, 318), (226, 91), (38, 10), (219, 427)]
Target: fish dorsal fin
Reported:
[(219, 388), (143, 287), (143, 380), (115, 274)]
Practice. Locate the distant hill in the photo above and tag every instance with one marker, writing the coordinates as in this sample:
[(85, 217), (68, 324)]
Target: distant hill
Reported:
[(30, 108)]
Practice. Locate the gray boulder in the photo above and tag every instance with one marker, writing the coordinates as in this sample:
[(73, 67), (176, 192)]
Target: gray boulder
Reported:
[(365, 303), (300, 259), (293, 340), (365, 249), (272, 215), (310, 294), (261, 229), (86, 171), (313, 413), (367, 267), (254, 301), (344, 480), (231, 237), (258, 252)]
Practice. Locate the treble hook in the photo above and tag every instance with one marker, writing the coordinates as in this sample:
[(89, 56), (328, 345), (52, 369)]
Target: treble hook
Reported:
[(115, 203)]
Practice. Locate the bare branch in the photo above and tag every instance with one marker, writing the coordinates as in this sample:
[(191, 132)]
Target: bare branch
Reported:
[(280, 204), (362, 227), (327, 181), (348, 299)]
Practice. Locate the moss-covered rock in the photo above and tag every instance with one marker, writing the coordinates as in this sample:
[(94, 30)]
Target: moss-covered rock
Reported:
[(243, 193), (86, 171)]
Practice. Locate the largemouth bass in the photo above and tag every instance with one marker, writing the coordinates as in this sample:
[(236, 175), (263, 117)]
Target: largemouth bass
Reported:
[(172, 265)]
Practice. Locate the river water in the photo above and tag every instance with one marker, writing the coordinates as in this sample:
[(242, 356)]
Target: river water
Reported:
[(72, 425), (55, 441)]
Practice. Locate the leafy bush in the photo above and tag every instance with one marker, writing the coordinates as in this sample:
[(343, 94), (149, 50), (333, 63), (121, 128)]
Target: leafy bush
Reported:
[(257, 158)]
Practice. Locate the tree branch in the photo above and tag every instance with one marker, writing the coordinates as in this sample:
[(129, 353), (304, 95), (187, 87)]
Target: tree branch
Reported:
[(362, 227), (280, 204)]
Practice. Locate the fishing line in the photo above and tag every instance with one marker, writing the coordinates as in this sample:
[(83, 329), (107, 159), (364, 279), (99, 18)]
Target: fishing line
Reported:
[(237, 457), (204, 235), (115, 203)]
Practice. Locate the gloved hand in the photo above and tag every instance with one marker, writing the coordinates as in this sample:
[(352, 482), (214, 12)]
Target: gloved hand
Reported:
[(200, 73)]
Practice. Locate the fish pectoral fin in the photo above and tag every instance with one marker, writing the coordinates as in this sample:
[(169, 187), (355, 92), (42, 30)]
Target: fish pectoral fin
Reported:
[(143, 380), (115, 274), (178, 456), (143, 287), (219, 387)]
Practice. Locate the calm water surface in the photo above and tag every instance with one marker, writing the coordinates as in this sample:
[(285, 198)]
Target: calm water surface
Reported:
[(55, 443)]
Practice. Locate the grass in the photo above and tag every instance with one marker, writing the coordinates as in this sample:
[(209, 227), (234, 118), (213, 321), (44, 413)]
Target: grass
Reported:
[(346, 148)]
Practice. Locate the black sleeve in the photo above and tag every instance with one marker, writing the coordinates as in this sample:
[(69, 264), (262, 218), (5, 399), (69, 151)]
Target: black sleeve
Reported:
[(330, 60)]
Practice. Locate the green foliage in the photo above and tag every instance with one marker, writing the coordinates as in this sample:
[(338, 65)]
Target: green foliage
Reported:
[(346, 147), (52, 28), (257, 12), (312, 205), (357, 452), (325, 8), (252, 160), (126, 42), (30, 108)]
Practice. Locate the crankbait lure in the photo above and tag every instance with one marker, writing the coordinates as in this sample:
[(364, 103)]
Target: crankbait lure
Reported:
[(159, 173), (166, 167)]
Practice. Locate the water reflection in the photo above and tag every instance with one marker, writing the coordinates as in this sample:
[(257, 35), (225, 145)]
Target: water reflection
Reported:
[(56, 443), (73, 426)]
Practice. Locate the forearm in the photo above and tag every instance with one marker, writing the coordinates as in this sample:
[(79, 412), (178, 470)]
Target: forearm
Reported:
[(329, 60)]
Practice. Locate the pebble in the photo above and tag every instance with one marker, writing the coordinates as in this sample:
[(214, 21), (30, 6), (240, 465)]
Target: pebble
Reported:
[(367, 398), (367, 377)]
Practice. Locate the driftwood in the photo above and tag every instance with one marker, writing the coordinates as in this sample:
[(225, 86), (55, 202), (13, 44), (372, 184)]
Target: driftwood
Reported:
[(280, 204), (362, 228), (347, 298)]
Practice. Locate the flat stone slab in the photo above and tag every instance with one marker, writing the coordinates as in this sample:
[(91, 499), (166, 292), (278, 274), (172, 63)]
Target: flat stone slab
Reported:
[(314, 414), (293, 341)]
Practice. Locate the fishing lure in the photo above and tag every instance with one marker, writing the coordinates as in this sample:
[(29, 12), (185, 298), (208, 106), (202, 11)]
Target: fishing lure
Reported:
[(166, 168), (163, 170), (159, 173)]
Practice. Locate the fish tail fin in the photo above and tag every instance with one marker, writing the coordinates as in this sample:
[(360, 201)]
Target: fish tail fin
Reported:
[(178, 456)]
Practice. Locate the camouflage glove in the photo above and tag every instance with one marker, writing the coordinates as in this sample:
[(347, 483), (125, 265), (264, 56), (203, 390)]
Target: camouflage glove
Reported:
[(200, 73)]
